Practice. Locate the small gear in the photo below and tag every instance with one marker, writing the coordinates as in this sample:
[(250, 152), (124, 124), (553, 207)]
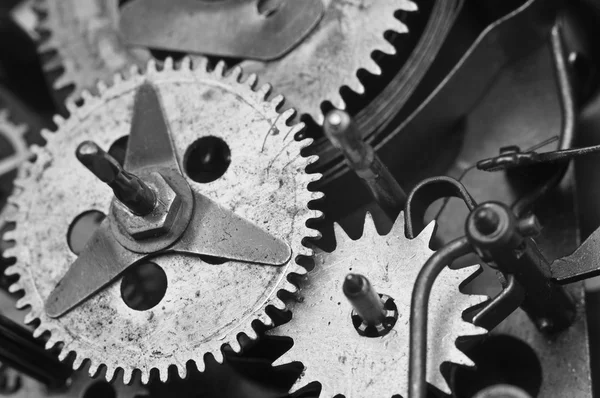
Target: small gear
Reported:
[(330, 57), (206, 305), (327, 339)]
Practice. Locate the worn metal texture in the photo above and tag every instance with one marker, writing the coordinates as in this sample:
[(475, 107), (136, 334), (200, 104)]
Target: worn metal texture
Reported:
[(326, 342), (205, 305), (237, 29), (333, 53), (83, 43)]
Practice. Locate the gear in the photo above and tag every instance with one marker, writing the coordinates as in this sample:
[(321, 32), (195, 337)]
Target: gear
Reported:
[(206, 304), (330, 346), (330, 57), (15, 137)]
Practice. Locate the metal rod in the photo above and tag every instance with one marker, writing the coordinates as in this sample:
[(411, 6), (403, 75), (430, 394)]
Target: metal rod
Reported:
[(419, 309), (365, 300), (128, 188), (361, 157), (21, 351)]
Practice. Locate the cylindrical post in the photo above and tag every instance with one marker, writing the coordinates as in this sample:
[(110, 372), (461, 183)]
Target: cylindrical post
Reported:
[(364, 299), (128, 188), (361, 157)]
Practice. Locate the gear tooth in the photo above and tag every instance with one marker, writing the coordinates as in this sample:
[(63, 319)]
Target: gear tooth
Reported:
[(220, 68), (12, 270), (71, 107), (235, 74), (387, 48), (117, 79), (134, 70), (52, 64), (37, 333), (58, 120), (94, 369), (340, 234), (15, 287), (252, 80), (163, 373), (30, 317), (127, 377), (251, 333), (264, 90), (338, 102), (284, 359), (201, 64), (101, 87), (427, 233), (290, 287), (201, 366), (278, 303), (186, 64), (78, 361), (235, 346), (22, 303), (168, 64), (145, 376), (277, 101), (410, 6), (369, 229), (87, 96), (151, 67), (62, 355), (111, 373), (218, 355)]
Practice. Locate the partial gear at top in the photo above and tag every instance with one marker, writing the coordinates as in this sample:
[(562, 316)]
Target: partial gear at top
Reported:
[(232, 150), (337, 346), (84, 40)]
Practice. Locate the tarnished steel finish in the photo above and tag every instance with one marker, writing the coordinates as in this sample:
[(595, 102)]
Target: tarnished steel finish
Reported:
[(205, 305), (325, 340)]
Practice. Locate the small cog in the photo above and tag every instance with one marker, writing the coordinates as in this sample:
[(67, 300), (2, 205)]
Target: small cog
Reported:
[(331, 346), (205, 305)]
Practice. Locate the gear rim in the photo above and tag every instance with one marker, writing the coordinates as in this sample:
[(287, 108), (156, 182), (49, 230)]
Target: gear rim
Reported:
[(276, 123)]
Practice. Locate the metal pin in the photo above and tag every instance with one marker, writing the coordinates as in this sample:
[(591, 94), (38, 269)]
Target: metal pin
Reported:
[(364, 299), (361, 157), (128, 188)]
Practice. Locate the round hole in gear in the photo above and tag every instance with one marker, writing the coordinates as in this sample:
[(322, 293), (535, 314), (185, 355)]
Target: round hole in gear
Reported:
[(387, 324), (118, 149), (82, 228), (143, 286), (100, 389), (207, 159)]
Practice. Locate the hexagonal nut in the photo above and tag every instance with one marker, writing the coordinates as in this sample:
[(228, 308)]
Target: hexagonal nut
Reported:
[(160, 220)]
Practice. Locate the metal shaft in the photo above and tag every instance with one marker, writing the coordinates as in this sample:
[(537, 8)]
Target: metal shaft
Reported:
[(21, 351), (361, 157), (364, 299), (128, 188)]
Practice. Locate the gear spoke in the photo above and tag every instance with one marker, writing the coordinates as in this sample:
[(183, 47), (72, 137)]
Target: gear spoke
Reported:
[(150, 143), (219, 232), (102, 260)]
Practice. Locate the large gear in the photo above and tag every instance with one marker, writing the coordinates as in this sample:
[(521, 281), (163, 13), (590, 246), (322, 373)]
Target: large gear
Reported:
[(328, 345), (329, 59), (205, 306)]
